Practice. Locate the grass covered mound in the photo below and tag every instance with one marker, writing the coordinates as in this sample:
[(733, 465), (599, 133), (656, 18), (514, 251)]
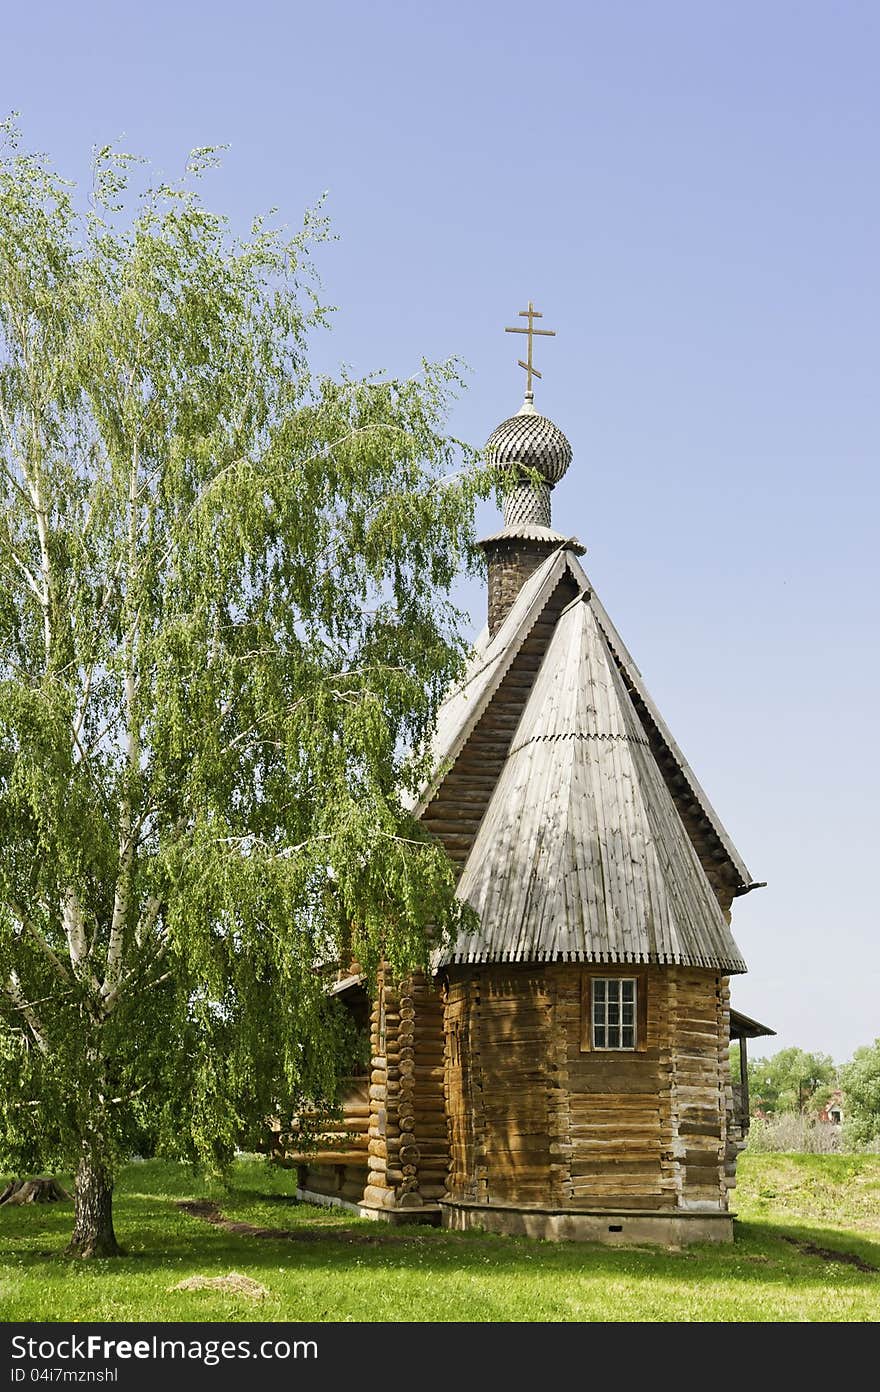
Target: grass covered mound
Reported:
[(807, 1248), (829, 1190)]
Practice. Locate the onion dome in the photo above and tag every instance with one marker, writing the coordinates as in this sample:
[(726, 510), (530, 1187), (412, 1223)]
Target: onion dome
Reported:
[(532, 441)]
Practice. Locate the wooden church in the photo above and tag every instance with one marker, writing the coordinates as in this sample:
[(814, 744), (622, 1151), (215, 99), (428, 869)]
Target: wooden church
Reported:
[(564, 1072)]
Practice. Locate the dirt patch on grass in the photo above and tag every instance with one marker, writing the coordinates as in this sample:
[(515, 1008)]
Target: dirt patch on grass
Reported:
[(233, 1284), (210, 1213), (829, 1254)]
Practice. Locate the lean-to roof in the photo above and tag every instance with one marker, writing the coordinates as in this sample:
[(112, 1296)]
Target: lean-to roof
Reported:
[(742, 1027)]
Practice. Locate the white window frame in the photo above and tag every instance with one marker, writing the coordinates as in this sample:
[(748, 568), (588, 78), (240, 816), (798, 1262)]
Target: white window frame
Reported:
[(620, 1025)]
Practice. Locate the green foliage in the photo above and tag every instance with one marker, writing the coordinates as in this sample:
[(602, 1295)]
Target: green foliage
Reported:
[(224, 620), (425, 1274), (860, 1081), (792, 1080)]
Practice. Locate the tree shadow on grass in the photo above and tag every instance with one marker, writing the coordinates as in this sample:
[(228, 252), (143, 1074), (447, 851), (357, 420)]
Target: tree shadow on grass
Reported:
[(824, 1244), (161, 1239)]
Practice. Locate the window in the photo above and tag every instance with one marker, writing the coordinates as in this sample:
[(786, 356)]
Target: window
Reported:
[(614, 1013)]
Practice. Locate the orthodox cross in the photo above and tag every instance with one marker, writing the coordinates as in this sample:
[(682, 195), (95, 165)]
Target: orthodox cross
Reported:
[(531, 314)]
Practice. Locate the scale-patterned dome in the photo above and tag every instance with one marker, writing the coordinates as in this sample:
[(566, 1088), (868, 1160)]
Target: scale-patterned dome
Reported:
[(533, 441)]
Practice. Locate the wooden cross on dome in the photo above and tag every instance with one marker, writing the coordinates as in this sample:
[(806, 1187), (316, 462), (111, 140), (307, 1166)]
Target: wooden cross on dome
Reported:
[(531, 314)]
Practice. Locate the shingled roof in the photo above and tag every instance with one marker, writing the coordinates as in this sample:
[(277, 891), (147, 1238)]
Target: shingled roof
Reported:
[(596, 839)]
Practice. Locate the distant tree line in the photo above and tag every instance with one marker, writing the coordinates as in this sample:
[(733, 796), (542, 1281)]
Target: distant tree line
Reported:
[(797, 1082)]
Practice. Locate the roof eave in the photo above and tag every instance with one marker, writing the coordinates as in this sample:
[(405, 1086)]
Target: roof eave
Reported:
[(742, 1027)]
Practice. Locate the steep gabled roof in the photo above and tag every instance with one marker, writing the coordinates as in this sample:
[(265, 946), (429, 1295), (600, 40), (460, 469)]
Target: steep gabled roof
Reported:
[(494, 656), (581, 854), (585, 833)]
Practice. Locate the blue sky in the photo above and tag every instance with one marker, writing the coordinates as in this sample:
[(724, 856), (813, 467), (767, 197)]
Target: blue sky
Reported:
[(690, 193)]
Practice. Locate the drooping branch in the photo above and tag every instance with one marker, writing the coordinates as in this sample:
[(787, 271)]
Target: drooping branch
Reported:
[(34, 483), (28, 575), (29, 927), (90, 673), (17, 996), (122, 894)]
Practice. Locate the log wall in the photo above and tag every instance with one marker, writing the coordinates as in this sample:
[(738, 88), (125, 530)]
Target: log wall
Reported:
[(407, 1134), (483, 1091), (338, 1169), (537, 1120), (391, 1148)]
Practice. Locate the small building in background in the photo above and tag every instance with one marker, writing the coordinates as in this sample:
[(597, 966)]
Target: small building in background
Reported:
[(832, 1112)]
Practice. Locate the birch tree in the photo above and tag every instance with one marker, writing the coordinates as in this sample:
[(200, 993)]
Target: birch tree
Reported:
[(224, 618)]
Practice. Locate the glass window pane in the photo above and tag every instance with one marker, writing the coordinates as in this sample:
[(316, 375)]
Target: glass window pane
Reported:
[(613, 1011)]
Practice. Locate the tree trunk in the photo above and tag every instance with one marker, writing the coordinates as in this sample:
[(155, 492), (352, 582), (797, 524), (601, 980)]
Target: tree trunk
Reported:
[(93, 1234)]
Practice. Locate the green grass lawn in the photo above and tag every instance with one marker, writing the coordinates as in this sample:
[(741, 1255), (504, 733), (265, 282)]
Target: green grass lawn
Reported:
[(333, 1273)]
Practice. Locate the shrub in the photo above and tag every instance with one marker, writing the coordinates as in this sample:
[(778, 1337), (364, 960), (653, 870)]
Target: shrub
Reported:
[(790, 1131)]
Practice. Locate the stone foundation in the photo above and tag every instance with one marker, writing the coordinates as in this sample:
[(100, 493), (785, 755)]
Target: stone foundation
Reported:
[(628, 1227)]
